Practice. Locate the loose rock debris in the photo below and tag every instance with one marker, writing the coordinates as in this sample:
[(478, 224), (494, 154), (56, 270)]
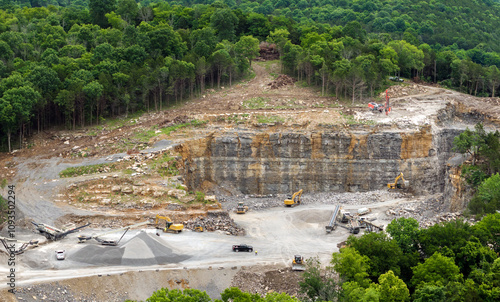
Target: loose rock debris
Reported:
[(282, 80)]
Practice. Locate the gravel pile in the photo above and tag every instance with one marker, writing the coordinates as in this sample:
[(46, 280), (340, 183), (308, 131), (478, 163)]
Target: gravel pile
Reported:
[(216, 221), (142, 249), (427, 212), (55, 292)]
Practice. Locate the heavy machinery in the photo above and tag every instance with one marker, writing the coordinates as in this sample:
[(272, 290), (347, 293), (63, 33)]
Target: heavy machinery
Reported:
[(333, 221), (9, 244), (381, 107), (170, 226), (298, 263), (397, 185), (241, 208), (198, 228), (294, 200), (53, 233), (83, 238)]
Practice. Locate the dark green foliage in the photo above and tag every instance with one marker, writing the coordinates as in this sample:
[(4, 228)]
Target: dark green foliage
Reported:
[(383, 252), (316, 286), (3, 209)]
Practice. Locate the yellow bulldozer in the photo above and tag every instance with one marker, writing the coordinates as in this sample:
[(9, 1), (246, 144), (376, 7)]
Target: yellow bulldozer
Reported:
[(404, 184), (169, 226), (294, 200)]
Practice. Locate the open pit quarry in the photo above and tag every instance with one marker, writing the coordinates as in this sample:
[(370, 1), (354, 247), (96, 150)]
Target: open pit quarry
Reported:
[(337, 153)]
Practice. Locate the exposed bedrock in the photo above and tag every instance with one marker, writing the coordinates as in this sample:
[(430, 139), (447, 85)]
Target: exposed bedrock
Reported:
[(343, 160)]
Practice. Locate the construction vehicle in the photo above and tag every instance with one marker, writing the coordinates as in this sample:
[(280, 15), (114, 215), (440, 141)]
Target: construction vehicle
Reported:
[(83, 238), (241, 208), (9, 244), (170, 226), (381, 107), (294, 200), (53, 233), (397, 185), (369, 226), (298, 263), (198, 228)]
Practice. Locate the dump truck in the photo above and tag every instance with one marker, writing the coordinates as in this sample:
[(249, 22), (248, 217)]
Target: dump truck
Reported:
[(241, 208), (404, 184), (170, 226), (53, 233), (298, 263), (294, 200)]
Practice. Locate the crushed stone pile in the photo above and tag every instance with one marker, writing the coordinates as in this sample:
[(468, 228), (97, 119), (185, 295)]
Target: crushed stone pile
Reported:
[(216, 221), (142, 249), (282, 80), (428, 212)]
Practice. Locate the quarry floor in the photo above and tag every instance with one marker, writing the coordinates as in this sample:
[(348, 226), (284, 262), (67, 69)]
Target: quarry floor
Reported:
[(144, 262)]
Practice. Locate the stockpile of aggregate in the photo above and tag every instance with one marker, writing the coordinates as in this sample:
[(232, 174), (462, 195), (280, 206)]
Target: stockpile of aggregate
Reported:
[(142, 249)]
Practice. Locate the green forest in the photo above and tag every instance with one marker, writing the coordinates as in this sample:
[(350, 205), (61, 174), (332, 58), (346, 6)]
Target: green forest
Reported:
[(75, 63)]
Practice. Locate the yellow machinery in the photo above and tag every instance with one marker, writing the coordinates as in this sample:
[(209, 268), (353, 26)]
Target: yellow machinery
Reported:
[(294, 200), (298, 263), (170, 226), (198, 228), (395, 184), (241, 208)]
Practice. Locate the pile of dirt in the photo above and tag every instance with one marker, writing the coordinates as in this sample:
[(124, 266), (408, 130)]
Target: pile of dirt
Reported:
[(281, 280), (142, 249), (282, 80), (268, 52)]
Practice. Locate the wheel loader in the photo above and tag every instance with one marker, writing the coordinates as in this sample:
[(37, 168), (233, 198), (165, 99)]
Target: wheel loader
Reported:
[(241, 208), (298, 263)]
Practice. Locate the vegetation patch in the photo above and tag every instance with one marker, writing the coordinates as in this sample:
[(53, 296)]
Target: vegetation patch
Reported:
[(85, 170), (262, 119), (257, 103)]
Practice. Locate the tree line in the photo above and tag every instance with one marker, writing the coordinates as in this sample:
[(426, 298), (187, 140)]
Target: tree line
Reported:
[(75, 63)]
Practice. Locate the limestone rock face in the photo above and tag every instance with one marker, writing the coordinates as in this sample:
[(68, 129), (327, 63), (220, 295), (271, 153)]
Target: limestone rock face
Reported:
[(357, 159)]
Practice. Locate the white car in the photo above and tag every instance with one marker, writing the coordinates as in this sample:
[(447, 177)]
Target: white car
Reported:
[(60, 254)]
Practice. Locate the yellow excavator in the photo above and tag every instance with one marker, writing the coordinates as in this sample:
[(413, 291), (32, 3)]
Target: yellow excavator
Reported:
[(294, 200), (170, 226), (399, 185)]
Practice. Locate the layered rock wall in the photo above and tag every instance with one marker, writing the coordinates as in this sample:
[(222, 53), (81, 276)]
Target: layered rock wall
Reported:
[(358, 159)]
